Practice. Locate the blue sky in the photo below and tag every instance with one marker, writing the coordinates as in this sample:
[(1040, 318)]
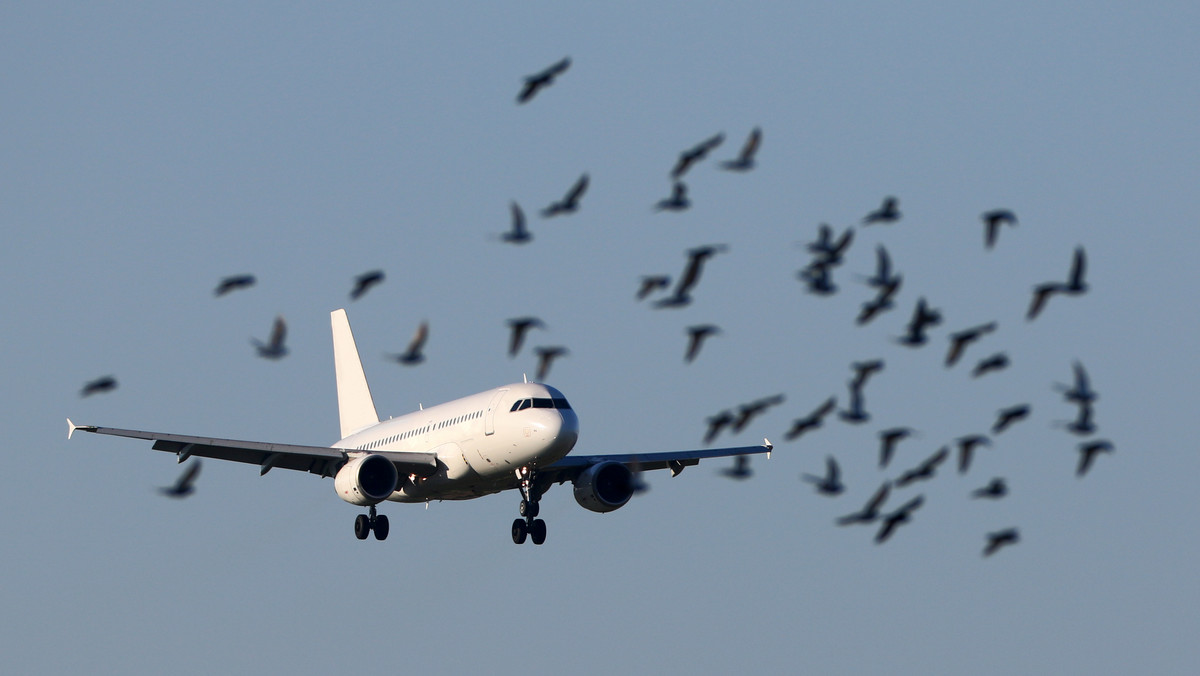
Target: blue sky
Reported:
[(151, 150)]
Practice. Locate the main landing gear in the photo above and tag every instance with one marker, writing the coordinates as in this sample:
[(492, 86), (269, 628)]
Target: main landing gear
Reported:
[(363, 525), (530, 526)]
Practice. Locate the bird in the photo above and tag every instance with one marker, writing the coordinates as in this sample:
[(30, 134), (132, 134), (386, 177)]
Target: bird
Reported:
[(992, 220), (883, 276), (1081, 390), (895, 519), (517, 233), (98, 385), (364, 282), (697, 257), (926, 469), (570, 201), (518, 327), (864, 370), (538, 81), (414, 353), (966, 449), (826, 248), (888, 439), (1075, 282), (696, 335), (1082, 425), (882, 301), (716, 423), (651, 283), (831, 483), (886, 213), (855, 414), (694, 154), (678, 201), (817, 276), (740, 470), (1087, 454), (274, 347), (749, 411), (546, 357), (812, 420), (185, 484), (960, 340), (1074, 286), (996, 362), (1007, 416), (994, 490), (870, 511), (745, 158), (233, 283), (923, 317), (1000, 538), (1041, 294)]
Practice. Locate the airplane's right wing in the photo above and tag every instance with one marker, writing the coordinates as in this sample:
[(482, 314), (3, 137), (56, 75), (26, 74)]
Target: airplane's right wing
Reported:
[(572, 466)]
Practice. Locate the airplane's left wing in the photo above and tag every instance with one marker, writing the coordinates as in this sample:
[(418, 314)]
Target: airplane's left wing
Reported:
[(321, 460), (570, 467)]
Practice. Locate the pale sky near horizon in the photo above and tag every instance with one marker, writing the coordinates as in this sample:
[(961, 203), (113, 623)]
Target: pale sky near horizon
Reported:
[(149, 150)]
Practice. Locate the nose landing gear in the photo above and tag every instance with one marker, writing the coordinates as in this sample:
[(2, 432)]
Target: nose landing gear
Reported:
[(530, 526)]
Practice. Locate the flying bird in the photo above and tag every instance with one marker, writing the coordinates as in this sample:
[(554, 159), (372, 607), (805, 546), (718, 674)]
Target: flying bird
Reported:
[(992, 220), (518, 327), (1082, 425), (98, 386), (870, 511), (895, 519), (364, 282), (1081, 390), (883, 276), (1041, 294), (538, 81), (994, 490), (996, 362), (274, 347), (1008, 416), (546, 357), (740, 470), (831, 483), (1000, 538), (414, 354), (233, 283), (1075, 282), (185, 484), (745, 159), (960, 340), (570, 201), (697, 256), (926, 469), (829, 250), (696, 336), (716, 423), (817, 276), (749, 411), (517, 232), (694, 154), (864, 370), (652, 283), (812, 421), (888, 212), (855, 414), (887, 442), (1074, 286), (882, 301), (678, 201), (923, 317), (1087, 454), (966, 449)]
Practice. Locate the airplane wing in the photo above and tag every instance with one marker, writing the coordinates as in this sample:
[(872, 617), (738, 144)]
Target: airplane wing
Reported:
[(570, 467), (321, 460)]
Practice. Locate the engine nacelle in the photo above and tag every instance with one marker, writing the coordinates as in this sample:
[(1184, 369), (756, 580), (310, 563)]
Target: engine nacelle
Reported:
[(604, 487), (366, 480)]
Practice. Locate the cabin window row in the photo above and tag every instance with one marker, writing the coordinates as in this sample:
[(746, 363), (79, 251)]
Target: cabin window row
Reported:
[(422, 430)]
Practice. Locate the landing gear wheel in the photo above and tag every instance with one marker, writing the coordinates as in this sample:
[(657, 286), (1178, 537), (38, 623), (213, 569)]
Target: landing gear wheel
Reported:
[(519, 531), (362, 526), (380, 527), (537, 531), (529, 508)]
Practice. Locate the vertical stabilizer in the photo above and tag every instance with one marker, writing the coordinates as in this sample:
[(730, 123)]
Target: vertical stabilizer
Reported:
[(356, 409)]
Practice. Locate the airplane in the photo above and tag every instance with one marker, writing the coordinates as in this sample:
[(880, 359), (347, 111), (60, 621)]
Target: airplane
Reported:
[(517, 436)]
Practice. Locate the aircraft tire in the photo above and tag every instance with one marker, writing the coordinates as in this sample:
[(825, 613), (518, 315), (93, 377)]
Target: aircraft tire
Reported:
[(381, 527), (529, 508), (519, 531), (537, 531), (362, 527)]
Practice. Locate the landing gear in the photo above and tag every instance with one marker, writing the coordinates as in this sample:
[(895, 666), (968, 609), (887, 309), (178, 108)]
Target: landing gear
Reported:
[(530, 526), (364, 524)]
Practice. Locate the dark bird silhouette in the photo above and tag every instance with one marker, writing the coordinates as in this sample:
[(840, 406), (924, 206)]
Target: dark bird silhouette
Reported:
[(518, 327), (831, 483), (1000, 538), (697, 257), (812, 421), (864, 370), (414, 354), (966, 449), (185, 484), (1081, 390), (923, 317), (517, 232), (870, 511), (888, 212), (960, 340), (828, 250), (926, 469), (716, 423), (883, 276), (855, 413), (274, 347), (1041, 294), (882, 301), (678, 201), (740, 470), (996, 362), (233, 283), (694, 154), (749, 411), (897, 518), (1074, 286), (1008, 416), (888, 439), (98, 386), (992, 220), (546, 357), (817, 276), (1082, 425), (364, 282), (994, 490), (570, 201), (1075, 282), (1087, 454), (652, 283), (538, 81), (745, 158), (696, 336)]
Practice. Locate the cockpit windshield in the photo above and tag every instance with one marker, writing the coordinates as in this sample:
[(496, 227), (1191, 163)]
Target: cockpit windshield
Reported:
[(540, 402)]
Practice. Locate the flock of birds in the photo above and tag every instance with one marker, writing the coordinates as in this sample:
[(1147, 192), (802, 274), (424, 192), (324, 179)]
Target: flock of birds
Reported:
[(828, 250)]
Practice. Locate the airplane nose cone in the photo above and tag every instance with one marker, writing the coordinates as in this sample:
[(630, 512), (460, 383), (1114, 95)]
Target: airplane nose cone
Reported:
[(566, 435)]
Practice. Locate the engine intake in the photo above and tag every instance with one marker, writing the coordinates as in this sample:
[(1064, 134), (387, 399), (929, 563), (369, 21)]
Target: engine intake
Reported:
[(366, 480), (604, 487)]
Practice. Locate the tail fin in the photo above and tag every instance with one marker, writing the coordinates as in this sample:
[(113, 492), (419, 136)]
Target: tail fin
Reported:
[(356, 408)]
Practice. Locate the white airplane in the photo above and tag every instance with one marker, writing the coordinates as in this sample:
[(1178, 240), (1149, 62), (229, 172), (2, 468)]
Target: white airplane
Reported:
[(515, 436)]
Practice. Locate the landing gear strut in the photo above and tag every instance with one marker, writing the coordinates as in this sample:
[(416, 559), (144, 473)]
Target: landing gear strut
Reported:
[(530, 526), (364, 524)]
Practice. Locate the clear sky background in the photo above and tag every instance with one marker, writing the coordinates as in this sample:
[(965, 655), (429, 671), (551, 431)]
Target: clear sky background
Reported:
[(149, 150)]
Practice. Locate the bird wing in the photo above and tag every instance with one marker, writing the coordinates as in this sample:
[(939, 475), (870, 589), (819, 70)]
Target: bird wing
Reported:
[(418, 339), (278, 333)]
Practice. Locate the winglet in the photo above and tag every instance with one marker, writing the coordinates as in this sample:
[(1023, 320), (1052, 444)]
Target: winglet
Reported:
[(769, 445), (71, 427), (356, 408)]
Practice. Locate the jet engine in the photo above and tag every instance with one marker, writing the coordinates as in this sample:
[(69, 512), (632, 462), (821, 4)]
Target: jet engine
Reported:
[(604, 487), (366, 480)]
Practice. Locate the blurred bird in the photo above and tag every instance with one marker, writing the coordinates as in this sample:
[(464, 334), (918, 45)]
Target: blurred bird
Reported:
[(751, 410), (518, 327), (185, 484), (864, 370), (716, 423), (546, 357), (636, 483), (828, 250), (960, 340), (652, 283), (1074, 286), (1082, 425), (926, 469), (1041, 294), (1007, 416), (414, 354), (996, 362), (233, 283), (697, 256), (887, 442), (817, 276), (882, 301), (831, 483), (895, 519), (966, 448), (740, 470), (98, 386), (999, 539), (538, 81), (1087, 454), (696, 336), (274, 347), (855, 413), (364, 282), (1075, 282), (745, 159), (883, 276), (923, 317), (812, 421), (570, 201), (870, 511), (1081, 390), (992, 220), (694, 154), (994, 490), (887, 212), (678, 201), (517, 232)]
